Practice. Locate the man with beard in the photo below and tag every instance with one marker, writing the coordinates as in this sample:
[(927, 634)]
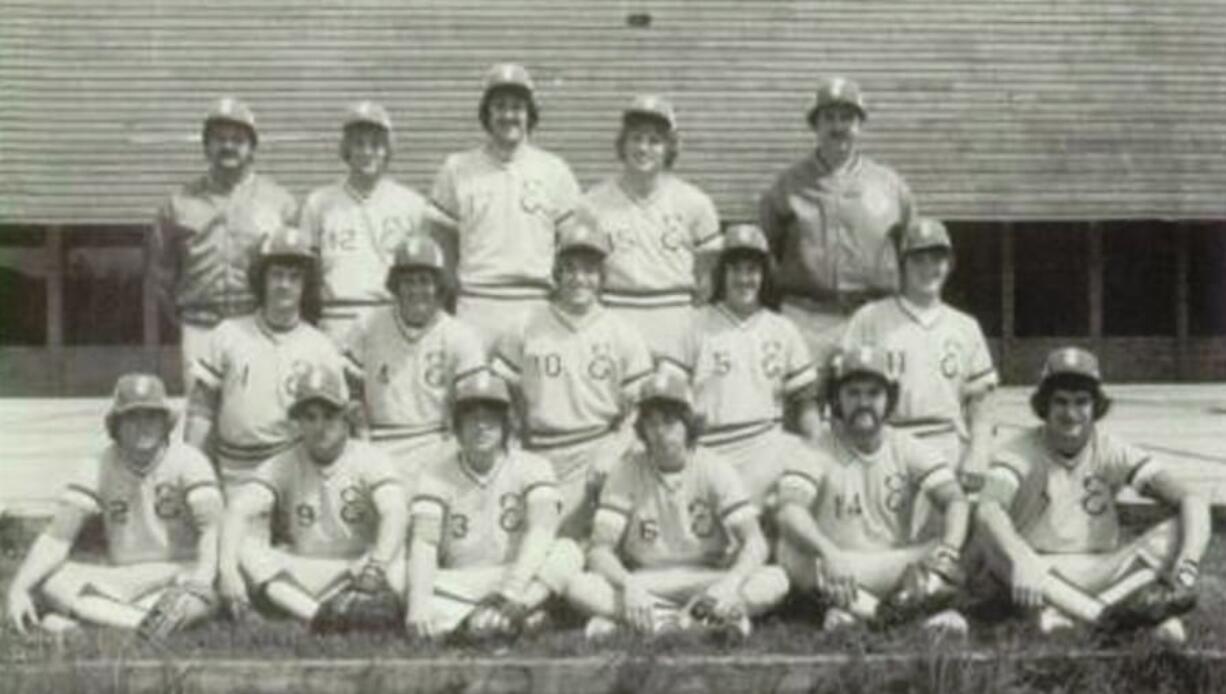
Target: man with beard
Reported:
[(356, 223), (160, 509), (829, 217), (202, 236), (846, 511), (497, 209)]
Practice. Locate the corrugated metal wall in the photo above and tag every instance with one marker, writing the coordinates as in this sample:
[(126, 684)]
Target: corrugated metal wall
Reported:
[(1012, 109)]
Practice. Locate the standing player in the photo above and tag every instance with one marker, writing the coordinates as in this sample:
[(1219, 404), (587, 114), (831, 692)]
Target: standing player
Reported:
[(1049, 508), (497, 208), (938, 354), (160, 509), (337, 498), (410, 355), (202, 235), (676, 540), (664, 231), (748, 366), (845, 513), (576, 368), (483, 552), (356, 223), (828, 218), (243, 382)]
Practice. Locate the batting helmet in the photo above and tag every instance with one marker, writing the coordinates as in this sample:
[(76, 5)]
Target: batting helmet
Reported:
[(862, 361), (230, 110), (508, 77), (416, 251), (138, 391), (652, 106), (834, 91), (319, 384), (367, 113), (1070, 368), (924, 233), (582, 236)]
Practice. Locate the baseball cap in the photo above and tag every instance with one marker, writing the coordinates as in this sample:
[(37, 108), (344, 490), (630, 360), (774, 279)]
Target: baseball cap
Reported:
[(923, 233), (582, 235), (231, 110), (667, 386), (652, 106), (367, 113), (482, 386), (1071, 361), (418, 250), (138, 391), (861, 360), (838, 90), (319, 384), (508, 75), (745, 237)]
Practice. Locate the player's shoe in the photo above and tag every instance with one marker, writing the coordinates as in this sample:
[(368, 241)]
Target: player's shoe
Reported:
[(947, 623), (837, 619), (599, 628), (921, 591), (1148, 606), (702, 615), (1171, 632), (1052, 621)]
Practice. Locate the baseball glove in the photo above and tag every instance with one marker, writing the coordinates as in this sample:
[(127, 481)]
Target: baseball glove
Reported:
[(178, 607), (368, 604), (495, 615)]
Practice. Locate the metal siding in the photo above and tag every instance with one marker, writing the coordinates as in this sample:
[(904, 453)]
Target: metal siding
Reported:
[(1006, 110)]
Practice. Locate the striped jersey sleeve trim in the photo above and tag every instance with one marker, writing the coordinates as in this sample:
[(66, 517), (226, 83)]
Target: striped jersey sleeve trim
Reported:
[(502, 361), (206, 484), (673, 362), (998, 465), (1132, 474), (448, 216), (430, 499), (276, 495), (733, 508), (378, 484), (802, 476), (923, 479), (632, 378)]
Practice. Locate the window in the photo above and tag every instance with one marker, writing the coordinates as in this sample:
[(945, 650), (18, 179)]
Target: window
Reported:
[(1138, 278), (103, 286), (23, 287)]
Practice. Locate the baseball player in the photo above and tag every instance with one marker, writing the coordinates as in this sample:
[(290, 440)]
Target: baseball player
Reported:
[(937, 352), (242, 387), (676, 542), (576, 368), (496, 209), (664, 231), (160, 508), (483, 555), (828, 218), (338, 500), (748, 366), (1048, 507), (410, 356), (845, 513), (202, 234), (357, 222)]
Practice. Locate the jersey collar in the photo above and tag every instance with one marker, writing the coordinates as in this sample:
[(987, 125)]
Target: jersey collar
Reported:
[(577, 323), (644, 201), (738, 322), (274, 334), (855, 454), (852, 165), (138, 472), (926, 317), (488, 478), (326, 471), (359, 196), (502, 158), (413, 333)]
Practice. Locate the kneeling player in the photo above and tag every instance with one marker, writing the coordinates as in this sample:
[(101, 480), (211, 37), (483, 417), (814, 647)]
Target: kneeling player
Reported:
[(160, 506), (483, 555), (676, 542), (845, 514), (343, 510), (1049, 506)]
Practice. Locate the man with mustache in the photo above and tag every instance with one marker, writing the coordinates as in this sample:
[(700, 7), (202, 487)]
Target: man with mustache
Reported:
[(357, 222), (846, 512), (829, 217), (198, 249)]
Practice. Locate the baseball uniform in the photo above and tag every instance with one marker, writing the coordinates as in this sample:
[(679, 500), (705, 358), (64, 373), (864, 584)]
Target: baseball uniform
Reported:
[(505, 214), (649, 276), (356, 235)]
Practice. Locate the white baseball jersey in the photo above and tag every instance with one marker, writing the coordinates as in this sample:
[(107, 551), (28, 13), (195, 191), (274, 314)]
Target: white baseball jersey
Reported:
[(865, 501), (357, 235), (327, 511), (147, 516), (253, 368), (409, 371), (939, 356), (483, 517), (506, 213), (1067, 505), (743, 370), (654, 240), (673, 519), (579, 376)]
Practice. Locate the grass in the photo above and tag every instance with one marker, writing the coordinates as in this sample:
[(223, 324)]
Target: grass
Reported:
[(1002, 655)]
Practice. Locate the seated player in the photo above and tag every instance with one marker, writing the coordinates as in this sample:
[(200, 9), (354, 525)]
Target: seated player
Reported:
[(238, 400), (749, 366), (939, 354), (845, 513), (160, 508), (575, 367), (483, 554), (676, 542), (410, 355), (339, 503), (1049, 509)]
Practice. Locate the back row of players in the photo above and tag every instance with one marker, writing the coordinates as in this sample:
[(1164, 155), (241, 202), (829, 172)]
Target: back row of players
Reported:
[(725, 398)]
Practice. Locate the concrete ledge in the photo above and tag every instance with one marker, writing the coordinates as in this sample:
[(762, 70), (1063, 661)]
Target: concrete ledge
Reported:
[(613, 673)]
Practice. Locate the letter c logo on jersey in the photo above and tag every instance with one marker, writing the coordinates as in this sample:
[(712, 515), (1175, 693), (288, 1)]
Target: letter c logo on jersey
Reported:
[(950, 359)]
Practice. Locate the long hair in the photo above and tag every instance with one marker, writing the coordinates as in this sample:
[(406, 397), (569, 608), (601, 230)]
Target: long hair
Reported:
[(672, 143), (483, 109), (443, 282), (1040, 400), (693, 421), (768, 294), (310, 305)]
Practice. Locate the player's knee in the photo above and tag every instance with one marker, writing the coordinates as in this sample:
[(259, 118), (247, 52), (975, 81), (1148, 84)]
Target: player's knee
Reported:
[(59, 591), (563, 563), (589, 593), (765, 588)]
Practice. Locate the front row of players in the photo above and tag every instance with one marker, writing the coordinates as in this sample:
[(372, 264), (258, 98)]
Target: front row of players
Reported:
[(471, 542)]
